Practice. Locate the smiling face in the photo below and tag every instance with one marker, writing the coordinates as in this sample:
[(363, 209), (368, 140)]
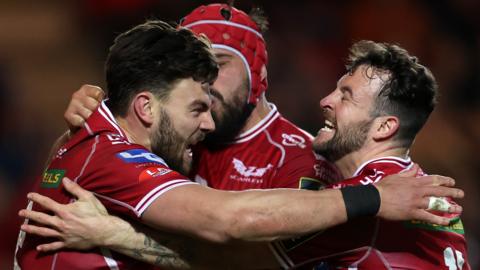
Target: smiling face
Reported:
[(347, 112), (183, 120), (229, 97)]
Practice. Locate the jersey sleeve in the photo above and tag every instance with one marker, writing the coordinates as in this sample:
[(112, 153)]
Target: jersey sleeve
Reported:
[(129, 180)]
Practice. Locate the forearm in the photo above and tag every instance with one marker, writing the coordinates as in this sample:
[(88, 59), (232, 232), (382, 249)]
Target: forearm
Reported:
[(286, 213), (172, 251), (143, 244)]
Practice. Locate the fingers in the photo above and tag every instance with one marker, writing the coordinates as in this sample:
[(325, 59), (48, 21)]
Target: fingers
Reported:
[(426, 216), (74, 189), (93, 91), (45, 202), (83, 103), (40, 231), (441, 191), (436, 180), (455, 209), (51, 246), (40, 217)]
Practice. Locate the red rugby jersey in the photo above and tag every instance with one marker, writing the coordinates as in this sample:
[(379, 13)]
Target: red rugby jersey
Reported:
[(126, 177), (273, 154), (373, 243)]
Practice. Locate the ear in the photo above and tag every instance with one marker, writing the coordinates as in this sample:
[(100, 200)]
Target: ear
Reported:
[(143, 106), (385, 127)]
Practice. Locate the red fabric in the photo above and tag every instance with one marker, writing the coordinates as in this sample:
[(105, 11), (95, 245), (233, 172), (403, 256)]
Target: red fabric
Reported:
[(379, 244), (124, 176), (273, 154)]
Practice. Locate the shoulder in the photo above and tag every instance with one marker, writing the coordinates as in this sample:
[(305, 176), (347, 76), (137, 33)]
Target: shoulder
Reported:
[(115, 150), (290, 137)]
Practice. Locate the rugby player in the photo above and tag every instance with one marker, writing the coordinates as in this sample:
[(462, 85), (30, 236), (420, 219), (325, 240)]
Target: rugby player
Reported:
[(173, 220)]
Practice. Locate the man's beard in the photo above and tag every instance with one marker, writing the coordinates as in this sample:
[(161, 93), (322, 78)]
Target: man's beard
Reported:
[(167, 143), (233, 119), (351, 139)]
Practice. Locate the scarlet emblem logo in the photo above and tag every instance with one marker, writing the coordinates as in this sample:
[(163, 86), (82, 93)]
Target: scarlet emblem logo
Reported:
[(293, 140), (250, 170)]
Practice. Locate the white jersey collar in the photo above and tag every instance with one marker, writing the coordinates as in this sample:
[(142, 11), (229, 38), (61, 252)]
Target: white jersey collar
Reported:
[(406, 163), (260, 126)]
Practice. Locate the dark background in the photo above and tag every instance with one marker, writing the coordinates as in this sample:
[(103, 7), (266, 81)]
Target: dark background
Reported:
[(48, 49)]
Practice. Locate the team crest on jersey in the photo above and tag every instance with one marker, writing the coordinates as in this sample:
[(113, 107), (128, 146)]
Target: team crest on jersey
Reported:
[(248, 174), (372, 178), (52, 178), (140, 156), (293, 140), (250, 170), (152, 172)]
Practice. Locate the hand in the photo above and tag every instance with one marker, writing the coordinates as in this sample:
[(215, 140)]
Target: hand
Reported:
[(83, 103), (406, 197), (81, 225)]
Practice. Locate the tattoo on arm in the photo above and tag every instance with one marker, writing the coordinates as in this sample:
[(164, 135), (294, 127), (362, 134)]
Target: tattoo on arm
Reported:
[(160, 249)]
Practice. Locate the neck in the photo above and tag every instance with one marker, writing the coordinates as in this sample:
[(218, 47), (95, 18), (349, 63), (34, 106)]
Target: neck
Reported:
[(350, 162), (258, 114), (135, 132)]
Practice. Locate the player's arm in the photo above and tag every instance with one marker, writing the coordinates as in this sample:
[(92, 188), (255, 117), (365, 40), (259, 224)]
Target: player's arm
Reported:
[(78, 230), (271, 214), (221, 216), (85, 224)]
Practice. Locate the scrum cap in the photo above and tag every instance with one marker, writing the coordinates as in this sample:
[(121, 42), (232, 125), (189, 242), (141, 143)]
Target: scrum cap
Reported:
[(233, 30)]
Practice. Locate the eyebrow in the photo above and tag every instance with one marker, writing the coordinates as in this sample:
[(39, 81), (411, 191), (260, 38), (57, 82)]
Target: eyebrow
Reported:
[(222, 55), (347, 89), (202, 104)]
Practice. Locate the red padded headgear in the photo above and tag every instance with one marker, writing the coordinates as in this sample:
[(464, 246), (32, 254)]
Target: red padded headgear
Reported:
[(232, 29)]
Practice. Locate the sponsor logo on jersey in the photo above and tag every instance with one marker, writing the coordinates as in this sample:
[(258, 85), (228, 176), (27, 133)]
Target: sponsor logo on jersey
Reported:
[(60, 152), (373, 178), (140, 156), (293, 140), (152, 172), (250, 170), (52, 178), (310, 184), (455, 226)]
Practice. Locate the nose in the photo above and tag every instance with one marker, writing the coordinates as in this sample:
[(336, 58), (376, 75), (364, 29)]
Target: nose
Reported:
[(327, 102), (207, 124)]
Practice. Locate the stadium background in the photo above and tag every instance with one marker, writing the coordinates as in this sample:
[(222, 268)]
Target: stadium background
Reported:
[(48, 49)]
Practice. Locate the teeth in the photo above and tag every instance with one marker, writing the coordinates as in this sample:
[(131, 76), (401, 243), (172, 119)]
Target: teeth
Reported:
[(326, 129), (189, 152), (329, 124)]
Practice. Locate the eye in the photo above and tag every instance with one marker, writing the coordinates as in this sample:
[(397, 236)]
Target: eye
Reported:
[(196, 112)]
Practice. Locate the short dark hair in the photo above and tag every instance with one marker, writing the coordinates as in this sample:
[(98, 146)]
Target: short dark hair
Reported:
[(409, 93), (257, 14), (153, 56)]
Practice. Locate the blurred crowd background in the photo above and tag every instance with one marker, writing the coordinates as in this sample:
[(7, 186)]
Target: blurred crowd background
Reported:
[(48, 49)]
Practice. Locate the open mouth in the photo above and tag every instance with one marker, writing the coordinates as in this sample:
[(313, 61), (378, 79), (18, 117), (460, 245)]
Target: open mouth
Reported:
[(328, 127), (189, 150)]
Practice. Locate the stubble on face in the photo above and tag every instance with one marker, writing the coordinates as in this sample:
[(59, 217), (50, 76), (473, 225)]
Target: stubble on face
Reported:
[(345, 141), (232, 117), (167, 143)]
